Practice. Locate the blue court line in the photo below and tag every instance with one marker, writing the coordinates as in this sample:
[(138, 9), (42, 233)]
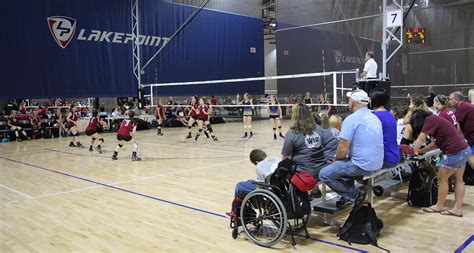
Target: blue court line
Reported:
[(465, 244), (159, 199), (117, 188)]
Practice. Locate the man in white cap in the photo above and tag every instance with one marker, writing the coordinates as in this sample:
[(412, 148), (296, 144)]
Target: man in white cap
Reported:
[(360, 151)]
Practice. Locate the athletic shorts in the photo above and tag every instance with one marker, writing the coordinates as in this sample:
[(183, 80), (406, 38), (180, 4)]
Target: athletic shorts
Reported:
[(247, 113), (274, 116), (457, 160), (90, 132), (203, 119), (195, 117), (124, 138)]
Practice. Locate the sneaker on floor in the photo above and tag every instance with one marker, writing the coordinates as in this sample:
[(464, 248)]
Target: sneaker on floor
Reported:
[(114, 157), (19, 140), (136, 158), (90, 149), (189, 136), (72, 145), (160, 134), (281, 136), (214, 138), (274, 136), (99, 149), (79, 145)]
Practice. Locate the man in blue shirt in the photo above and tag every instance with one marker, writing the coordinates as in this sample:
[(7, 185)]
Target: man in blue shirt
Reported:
[(360, 151)]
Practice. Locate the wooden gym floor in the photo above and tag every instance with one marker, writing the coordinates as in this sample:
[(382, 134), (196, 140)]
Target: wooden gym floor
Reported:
[(59, 199)]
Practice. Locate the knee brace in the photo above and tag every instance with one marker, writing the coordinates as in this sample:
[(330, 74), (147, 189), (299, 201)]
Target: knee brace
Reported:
[(135, 145), (200, 130), (93, 139), (120, 145), (279, 127), (159, 125), (274, 128), (189, 127), (406, 141), (101, 139), (209, 127)]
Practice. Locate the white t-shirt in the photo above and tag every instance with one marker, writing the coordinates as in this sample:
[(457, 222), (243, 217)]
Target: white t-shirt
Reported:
[(266, 168), (400, 130), (371, 68)]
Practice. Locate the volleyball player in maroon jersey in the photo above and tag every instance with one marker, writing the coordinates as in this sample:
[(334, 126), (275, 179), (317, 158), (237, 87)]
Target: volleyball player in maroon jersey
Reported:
[(71, 123), (203, 119), (160, 116), (14, 124), (193, 115), (126, 133), (91, 131)]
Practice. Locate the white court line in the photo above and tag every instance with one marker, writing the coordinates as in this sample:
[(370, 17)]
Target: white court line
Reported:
[(17, 192), (130, 181)]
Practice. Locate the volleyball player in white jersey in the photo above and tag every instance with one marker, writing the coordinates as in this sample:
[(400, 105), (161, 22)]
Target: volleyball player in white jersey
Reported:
[(275, 114)]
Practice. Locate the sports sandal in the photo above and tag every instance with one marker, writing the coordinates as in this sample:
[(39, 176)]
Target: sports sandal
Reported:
[(432, 210)]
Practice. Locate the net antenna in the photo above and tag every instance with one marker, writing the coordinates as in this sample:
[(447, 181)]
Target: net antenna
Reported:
[(202, 5)]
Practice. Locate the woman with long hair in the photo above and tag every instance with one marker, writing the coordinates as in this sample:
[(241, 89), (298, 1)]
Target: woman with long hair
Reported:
[(91, 130), (193, 115), (417, 102), (247, 114), (455, 154), (304, 142), (440, 103), (275, 114), (71, 124), (324, 106), (126, 134), (203, 120)]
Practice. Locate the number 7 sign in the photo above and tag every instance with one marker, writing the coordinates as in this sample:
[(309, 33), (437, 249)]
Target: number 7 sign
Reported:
[(394, 18)]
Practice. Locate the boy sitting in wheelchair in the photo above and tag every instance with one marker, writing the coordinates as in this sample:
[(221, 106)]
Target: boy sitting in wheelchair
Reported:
[(278, 195)]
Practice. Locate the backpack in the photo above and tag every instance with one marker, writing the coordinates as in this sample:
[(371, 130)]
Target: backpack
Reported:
[(468, 175), (362, 226), (296, 203), (423, 187)]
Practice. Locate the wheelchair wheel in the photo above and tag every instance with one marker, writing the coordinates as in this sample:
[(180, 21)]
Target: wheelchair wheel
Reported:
[(263, 217)]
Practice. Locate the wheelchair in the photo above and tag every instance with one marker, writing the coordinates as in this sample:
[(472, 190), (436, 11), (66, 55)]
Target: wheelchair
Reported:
[(272, 211)]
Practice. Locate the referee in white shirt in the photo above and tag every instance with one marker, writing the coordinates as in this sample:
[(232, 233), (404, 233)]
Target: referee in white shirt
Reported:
[(370, 72)]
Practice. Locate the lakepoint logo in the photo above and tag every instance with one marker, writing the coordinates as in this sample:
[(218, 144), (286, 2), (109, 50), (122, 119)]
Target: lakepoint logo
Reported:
[(63, 29), (341, 58)]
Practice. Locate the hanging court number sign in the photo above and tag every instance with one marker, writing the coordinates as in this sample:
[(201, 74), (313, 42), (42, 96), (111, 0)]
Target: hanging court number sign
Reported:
[(394, 18)]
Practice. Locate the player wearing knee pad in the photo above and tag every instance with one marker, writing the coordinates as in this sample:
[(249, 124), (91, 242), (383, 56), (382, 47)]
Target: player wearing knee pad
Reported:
[(125, 134)]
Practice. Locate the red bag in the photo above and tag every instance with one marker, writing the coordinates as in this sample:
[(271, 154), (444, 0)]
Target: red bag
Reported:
[(303, 181)]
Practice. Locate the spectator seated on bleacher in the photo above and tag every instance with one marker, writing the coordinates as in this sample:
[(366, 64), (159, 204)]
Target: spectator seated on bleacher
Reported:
[(361, 137), (379, 99)]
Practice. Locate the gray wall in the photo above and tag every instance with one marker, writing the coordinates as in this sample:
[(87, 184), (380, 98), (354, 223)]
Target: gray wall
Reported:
[(449, 25)]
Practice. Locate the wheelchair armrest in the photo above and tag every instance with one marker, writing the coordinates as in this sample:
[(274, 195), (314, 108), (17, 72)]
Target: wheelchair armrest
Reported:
[(261, 184)]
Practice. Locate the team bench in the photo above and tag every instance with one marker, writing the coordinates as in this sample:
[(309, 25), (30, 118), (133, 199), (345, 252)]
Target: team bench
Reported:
[(379, 183)]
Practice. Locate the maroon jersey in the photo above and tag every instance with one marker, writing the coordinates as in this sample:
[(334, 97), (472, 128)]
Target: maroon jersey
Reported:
[(448, 115), (36, 120), (203, 109), (448, 138), (14, 120), (194, 108), (126, 127), (93, 122), (73, 118), (160, 112)]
